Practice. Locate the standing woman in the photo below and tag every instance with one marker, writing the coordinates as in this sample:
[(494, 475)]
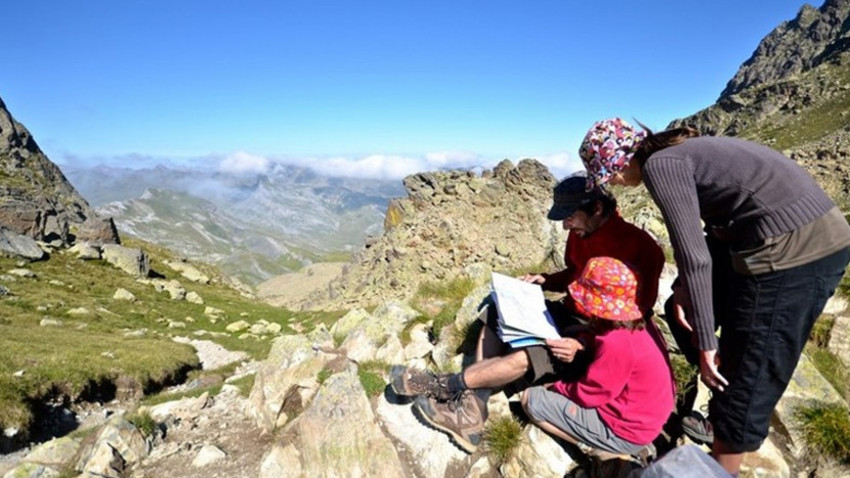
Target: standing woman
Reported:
[(777, 239)]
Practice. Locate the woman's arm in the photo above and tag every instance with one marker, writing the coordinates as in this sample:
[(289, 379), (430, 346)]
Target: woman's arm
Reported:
[(671, 183)]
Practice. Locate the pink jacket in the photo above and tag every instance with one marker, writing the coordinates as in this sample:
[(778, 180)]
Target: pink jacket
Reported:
[(630, 384)]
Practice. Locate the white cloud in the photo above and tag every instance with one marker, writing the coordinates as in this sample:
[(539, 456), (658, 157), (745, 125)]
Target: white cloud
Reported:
[(380, 166), (561, 165), (241, 162)]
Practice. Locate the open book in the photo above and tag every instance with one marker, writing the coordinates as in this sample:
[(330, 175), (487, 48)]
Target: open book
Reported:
[(523, 317)]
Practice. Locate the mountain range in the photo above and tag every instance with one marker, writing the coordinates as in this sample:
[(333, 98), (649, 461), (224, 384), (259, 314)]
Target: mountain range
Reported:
[(252, 226), (315, 401)]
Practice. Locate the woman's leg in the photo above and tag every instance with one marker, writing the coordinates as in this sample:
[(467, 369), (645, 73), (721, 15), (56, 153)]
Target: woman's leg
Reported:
[(760, 344)]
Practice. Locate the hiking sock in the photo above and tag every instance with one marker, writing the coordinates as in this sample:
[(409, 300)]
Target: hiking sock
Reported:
[(483, 394), (456, 383)]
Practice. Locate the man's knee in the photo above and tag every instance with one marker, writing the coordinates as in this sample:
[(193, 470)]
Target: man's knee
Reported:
[(518, 360)]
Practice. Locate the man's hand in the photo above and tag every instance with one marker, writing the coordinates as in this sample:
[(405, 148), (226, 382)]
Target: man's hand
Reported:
[(533, 278), (564, 349), (708, 370)]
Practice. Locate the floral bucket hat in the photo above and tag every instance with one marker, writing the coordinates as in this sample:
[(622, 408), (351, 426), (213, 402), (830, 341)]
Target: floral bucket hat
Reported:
[(607, 149), (606, 289)]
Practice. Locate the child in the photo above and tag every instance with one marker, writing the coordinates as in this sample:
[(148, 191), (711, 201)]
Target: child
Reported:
[(627, 394)]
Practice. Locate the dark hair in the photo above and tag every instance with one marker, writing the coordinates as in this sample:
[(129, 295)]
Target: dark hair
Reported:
[(600, 326), (609, 204), (657, 141)]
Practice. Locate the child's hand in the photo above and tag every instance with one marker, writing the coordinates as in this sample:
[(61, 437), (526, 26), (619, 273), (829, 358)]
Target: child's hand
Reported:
[(564, 349)]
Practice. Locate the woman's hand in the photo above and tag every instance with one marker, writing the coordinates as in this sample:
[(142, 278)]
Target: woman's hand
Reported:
[(533, 278), (564, 349), (680, 301), (708, 370)]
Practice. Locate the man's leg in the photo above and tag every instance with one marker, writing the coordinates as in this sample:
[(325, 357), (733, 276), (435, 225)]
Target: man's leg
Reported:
[(497, 371), (489, 344)]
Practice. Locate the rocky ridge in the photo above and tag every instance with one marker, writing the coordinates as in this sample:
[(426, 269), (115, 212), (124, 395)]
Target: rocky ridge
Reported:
[(449, 221), (35, 198), (793, 94)]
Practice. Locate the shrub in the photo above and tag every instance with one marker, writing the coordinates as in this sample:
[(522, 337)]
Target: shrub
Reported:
[(371, 377), (685, 375), (451, 293), (144, 422), (827, 430), (502, 437)]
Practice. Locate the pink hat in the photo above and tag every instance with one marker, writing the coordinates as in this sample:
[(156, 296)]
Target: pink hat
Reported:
[(607, 149), (606, 289)]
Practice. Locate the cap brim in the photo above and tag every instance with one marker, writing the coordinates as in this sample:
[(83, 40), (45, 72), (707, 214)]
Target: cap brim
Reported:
[(559, 212)]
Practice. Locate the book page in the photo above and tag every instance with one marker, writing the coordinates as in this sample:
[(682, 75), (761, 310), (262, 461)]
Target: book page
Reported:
[(522, 309)]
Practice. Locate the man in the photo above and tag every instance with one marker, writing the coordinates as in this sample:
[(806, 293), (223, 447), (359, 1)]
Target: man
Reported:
[(457, 403)]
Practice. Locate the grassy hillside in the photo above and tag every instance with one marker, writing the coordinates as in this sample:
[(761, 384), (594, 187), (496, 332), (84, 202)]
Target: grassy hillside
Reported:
[(48, 353)]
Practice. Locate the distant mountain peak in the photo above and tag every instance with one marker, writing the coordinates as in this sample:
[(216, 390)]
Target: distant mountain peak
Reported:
[(795, 46), (37, 199)]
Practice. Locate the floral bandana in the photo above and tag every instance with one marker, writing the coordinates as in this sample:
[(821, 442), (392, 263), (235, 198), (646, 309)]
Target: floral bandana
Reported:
[(606, 289), (607, 149)]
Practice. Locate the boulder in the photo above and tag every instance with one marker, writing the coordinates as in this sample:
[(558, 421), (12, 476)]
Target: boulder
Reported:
[(286, 381), (537, 454), (338, 435), (17, 245), (132, 261), (56, 452), (433, 454), (807, 388), (97, 232), (117, 445), (208, 455)]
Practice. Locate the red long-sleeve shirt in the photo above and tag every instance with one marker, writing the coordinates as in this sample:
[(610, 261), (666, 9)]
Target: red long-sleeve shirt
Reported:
[(618, 239)]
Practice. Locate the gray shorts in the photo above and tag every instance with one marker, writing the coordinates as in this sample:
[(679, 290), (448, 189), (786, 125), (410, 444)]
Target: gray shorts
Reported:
[(583, 424)]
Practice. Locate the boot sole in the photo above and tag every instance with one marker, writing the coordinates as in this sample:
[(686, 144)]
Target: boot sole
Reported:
[(459, 440)]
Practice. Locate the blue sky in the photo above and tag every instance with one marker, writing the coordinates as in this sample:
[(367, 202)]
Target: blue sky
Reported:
[(369, 88)]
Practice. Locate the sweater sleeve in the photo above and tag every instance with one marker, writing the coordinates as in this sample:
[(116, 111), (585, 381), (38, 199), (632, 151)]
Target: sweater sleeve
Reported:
[(606, 376), (671, 184)]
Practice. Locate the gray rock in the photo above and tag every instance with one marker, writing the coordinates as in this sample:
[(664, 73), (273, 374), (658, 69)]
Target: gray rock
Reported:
[(432, 452), (537, 454), (188, 271), (194, 298), (56, 452), (339, 436), (286, 381), (85, 251), (17, 245), (97, 232), (807, 388), (132, 261), (32, 470), (839, 339), (116, 446), (282, 462), (208, 455), (123, 294)]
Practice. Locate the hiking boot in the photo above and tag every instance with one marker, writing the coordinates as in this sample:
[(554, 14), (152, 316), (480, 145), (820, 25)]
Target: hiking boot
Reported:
[(698, 428), (462, 418), (410, 382)]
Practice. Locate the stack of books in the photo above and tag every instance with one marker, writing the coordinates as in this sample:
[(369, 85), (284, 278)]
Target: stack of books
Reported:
[(523, 317)]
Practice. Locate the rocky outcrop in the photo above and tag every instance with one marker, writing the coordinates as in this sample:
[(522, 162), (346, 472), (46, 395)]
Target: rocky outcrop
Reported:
[(793, 94), (450, 220), (815, 36), (35, 198)]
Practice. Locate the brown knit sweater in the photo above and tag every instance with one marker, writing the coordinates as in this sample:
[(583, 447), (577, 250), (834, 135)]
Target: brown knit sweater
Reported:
[(742, 190)]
